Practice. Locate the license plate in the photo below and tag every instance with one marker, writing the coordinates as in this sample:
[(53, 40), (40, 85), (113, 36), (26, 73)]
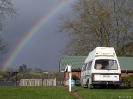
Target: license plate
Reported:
[(107, 76)]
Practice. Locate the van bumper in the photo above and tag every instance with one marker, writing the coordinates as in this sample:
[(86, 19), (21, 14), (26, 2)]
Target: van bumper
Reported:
[(106, 82)]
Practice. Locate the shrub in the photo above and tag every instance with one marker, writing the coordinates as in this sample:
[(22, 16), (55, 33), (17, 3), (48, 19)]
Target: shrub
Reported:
[(130, 80), (127, 80), (78, 83)]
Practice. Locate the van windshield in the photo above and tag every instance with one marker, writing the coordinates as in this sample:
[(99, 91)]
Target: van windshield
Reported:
[(106, 64)]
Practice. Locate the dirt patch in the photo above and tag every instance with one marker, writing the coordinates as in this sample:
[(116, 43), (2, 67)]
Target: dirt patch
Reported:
[(76, 96), (74, 93)]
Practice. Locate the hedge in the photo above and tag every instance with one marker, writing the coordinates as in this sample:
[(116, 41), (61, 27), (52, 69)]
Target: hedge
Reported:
[(127, 80)]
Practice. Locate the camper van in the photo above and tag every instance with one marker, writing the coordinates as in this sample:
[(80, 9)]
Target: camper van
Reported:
[(101, 68)]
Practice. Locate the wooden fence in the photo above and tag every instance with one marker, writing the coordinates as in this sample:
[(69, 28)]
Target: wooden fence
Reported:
[(49, 82), (40, 82)]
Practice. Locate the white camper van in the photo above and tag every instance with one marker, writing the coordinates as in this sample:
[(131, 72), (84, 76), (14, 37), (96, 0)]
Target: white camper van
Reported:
[(101, 68)]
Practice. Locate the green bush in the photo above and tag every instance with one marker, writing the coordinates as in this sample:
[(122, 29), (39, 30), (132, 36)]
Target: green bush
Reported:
[(77, 82), (127, 80)]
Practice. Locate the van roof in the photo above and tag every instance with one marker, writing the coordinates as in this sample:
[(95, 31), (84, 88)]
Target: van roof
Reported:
[(101, 51)]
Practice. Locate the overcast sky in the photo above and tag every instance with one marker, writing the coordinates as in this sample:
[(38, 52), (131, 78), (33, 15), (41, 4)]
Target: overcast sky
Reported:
[(43, 50)]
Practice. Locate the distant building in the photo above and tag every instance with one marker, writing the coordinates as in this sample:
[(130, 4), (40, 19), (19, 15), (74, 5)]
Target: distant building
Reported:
[(45, 72)]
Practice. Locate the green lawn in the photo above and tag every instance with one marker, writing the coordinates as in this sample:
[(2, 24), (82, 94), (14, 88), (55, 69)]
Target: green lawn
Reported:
[(120, 93), (51, 92), (37, 92)]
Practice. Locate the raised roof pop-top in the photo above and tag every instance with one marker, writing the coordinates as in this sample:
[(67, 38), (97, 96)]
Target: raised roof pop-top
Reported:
[(104, 51)]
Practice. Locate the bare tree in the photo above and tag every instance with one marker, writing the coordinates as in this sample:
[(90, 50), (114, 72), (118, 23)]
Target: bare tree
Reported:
[(98, 23), (6, 9)]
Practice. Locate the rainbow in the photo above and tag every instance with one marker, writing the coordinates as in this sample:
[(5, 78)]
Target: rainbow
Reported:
[(31, 33)]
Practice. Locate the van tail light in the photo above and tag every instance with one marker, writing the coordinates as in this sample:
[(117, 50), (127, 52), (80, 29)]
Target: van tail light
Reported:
[(120, 77), (92, 75)]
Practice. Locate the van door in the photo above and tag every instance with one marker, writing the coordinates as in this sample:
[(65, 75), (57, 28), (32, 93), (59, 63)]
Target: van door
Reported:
[(88, 69), (83, 73)]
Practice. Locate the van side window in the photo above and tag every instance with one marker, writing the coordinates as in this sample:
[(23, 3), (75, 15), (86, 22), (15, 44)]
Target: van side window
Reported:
[(85, 66), (89, 65)]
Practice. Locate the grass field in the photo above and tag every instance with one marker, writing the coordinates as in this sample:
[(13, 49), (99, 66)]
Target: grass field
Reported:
[(21, 92), (120, 93)]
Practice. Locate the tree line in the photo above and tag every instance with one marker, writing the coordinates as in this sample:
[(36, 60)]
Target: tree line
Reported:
[(23, 69)]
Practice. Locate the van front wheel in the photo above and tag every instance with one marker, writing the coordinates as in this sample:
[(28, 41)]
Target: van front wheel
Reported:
[(82, 85), (90, 86)]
